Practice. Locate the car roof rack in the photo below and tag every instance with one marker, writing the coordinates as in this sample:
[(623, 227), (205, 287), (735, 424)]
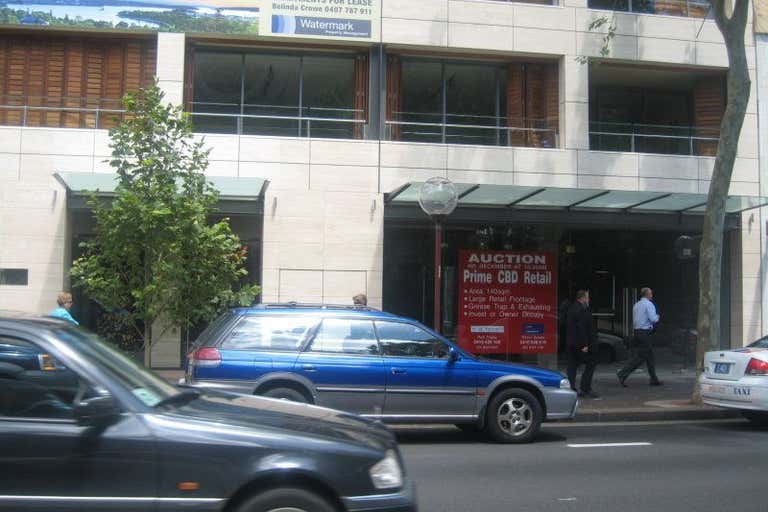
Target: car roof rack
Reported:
[(309, 305)]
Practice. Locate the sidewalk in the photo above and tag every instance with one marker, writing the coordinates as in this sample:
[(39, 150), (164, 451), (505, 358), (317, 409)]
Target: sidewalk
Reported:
[(638, 402), (641, 402)]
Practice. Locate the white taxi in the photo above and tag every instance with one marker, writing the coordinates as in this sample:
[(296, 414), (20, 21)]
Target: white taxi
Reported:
[(738, 379)]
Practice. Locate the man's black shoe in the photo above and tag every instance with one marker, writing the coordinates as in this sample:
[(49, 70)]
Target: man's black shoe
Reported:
[(588, 394), (622, 380), (656, 383)]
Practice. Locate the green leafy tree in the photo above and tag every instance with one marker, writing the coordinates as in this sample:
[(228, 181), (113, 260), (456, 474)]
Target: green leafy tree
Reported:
[(155, 256)]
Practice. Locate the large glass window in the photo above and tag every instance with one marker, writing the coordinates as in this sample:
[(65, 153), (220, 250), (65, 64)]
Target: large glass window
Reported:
[(271, 89), (483, 103), (642, 120), (278, 94), (217, 92), (452, 103)]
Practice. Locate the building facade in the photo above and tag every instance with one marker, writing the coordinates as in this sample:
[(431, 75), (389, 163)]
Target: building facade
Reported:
[(557, 142)]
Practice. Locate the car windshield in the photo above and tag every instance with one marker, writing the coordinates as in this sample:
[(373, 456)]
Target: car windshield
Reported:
[(145, 385), (761, 343)]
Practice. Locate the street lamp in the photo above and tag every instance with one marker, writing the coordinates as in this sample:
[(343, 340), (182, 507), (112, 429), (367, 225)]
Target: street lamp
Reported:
[(438, 198)]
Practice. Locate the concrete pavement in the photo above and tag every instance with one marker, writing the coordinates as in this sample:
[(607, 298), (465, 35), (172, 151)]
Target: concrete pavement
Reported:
[(641, 402)]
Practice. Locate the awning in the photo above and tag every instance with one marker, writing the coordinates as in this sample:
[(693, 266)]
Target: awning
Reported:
[(577, 199), (236, 195)]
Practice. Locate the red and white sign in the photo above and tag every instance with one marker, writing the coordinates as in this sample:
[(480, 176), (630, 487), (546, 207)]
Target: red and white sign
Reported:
[(507, 302)]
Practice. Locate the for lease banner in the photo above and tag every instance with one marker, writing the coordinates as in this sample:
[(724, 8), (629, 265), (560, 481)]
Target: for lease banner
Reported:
[(507, 302), (326, 19)]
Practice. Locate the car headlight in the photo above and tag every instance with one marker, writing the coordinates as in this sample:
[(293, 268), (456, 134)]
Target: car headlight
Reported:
[(565, 384), (386, 474)]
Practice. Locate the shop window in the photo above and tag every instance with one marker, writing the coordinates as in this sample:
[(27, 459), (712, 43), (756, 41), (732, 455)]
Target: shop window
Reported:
[(14, 276), (290, 95), (472, 103)]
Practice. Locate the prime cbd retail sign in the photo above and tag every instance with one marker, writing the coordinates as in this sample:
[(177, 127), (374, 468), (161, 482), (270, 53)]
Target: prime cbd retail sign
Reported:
[(328, 19), (507, 302)]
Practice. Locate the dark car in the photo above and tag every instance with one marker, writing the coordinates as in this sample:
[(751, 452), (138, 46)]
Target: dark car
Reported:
[(376, 364), (113, 436)]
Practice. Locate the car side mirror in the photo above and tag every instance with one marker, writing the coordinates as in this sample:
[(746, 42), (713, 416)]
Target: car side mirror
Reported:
[(453, 355), (96, 411)]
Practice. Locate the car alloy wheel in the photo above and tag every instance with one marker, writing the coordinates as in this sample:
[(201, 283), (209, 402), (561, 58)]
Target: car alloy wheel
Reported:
[(515, 417), (286, 499)]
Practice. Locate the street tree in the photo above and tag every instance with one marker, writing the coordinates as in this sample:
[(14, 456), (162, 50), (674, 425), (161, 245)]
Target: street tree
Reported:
[(731, 18), (156, 259)]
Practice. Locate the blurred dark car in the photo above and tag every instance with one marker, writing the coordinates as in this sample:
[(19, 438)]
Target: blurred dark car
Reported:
[(84, 428)]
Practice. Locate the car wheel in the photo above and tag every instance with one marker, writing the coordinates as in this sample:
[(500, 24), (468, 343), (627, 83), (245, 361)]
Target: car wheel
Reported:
[(514, 416), (286, 394), (605, 355), (759, 418), (286, 499)]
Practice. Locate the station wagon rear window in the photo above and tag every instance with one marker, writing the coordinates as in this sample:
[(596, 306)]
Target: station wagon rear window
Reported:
[(269, 333)]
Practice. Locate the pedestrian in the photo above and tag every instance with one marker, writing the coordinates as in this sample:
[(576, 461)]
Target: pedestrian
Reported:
[(360, 300), (64, 300), (581, 345), (644, 317)]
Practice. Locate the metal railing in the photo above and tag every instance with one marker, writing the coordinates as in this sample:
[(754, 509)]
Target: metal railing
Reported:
[(686, 8), (63, 111), (653, 138), (292, 121), (471, 129)]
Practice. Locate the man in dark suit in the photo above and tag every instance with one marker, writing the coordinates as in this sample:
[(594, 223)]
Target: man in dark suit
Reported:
[(580, 335)]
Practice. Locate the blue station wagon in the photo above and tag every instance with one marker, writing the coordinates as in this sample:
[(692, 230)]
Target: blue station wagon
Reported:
[(375, 364)]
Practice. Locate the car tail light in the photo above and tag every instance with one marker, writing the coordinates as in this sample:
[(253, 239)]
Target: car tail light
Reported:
[(206, 356), (757, 367)]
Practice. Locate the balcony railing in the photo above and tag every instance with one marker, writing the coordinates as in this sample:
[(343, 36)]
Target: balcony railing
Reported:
[(650, 138), (471, 129), (60, 112), (688, 8), (278, 120), (339, 123)]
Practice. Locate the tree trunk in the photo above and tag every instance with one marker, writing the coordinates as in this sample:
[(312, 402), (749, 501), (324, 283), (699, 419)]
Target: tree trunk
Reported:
[(148, 344), (711, 253)]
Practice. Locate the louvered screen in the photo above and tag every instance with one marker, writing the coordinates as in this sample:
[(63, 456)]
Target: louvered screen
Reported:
[(394, 95), (708, 109), (63, 81)]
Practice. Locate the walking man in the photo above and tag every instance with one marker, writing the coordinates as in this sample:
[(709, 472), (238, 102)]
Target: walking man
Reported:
[(644, 317), (580, 335)]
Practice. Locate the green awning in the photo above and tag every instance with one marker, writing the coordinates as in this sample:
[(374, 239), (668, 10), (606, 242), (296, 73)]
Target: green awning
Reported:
[(236, 195), (514, 196)]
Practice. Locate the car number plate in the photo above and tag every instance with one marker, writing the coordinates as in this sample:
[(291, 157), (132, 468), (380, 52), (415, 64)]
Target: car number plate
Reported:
[(722, 368)]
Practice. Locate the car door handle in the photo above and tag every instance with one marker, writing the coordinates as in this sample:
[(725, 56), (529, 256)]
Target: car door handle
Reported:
[(308, 368), (398, 371)]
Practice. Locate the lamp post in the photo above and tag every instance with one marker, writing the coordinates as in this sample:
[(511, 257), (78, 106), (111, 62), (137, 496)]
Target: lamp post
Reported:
[(438, 198)]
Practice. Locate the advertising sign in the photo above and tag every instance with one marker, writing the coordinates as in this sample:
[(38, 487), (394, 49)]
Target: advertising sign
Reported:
[(507, 302), (220, 16), (356, 20), (329, 19)]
